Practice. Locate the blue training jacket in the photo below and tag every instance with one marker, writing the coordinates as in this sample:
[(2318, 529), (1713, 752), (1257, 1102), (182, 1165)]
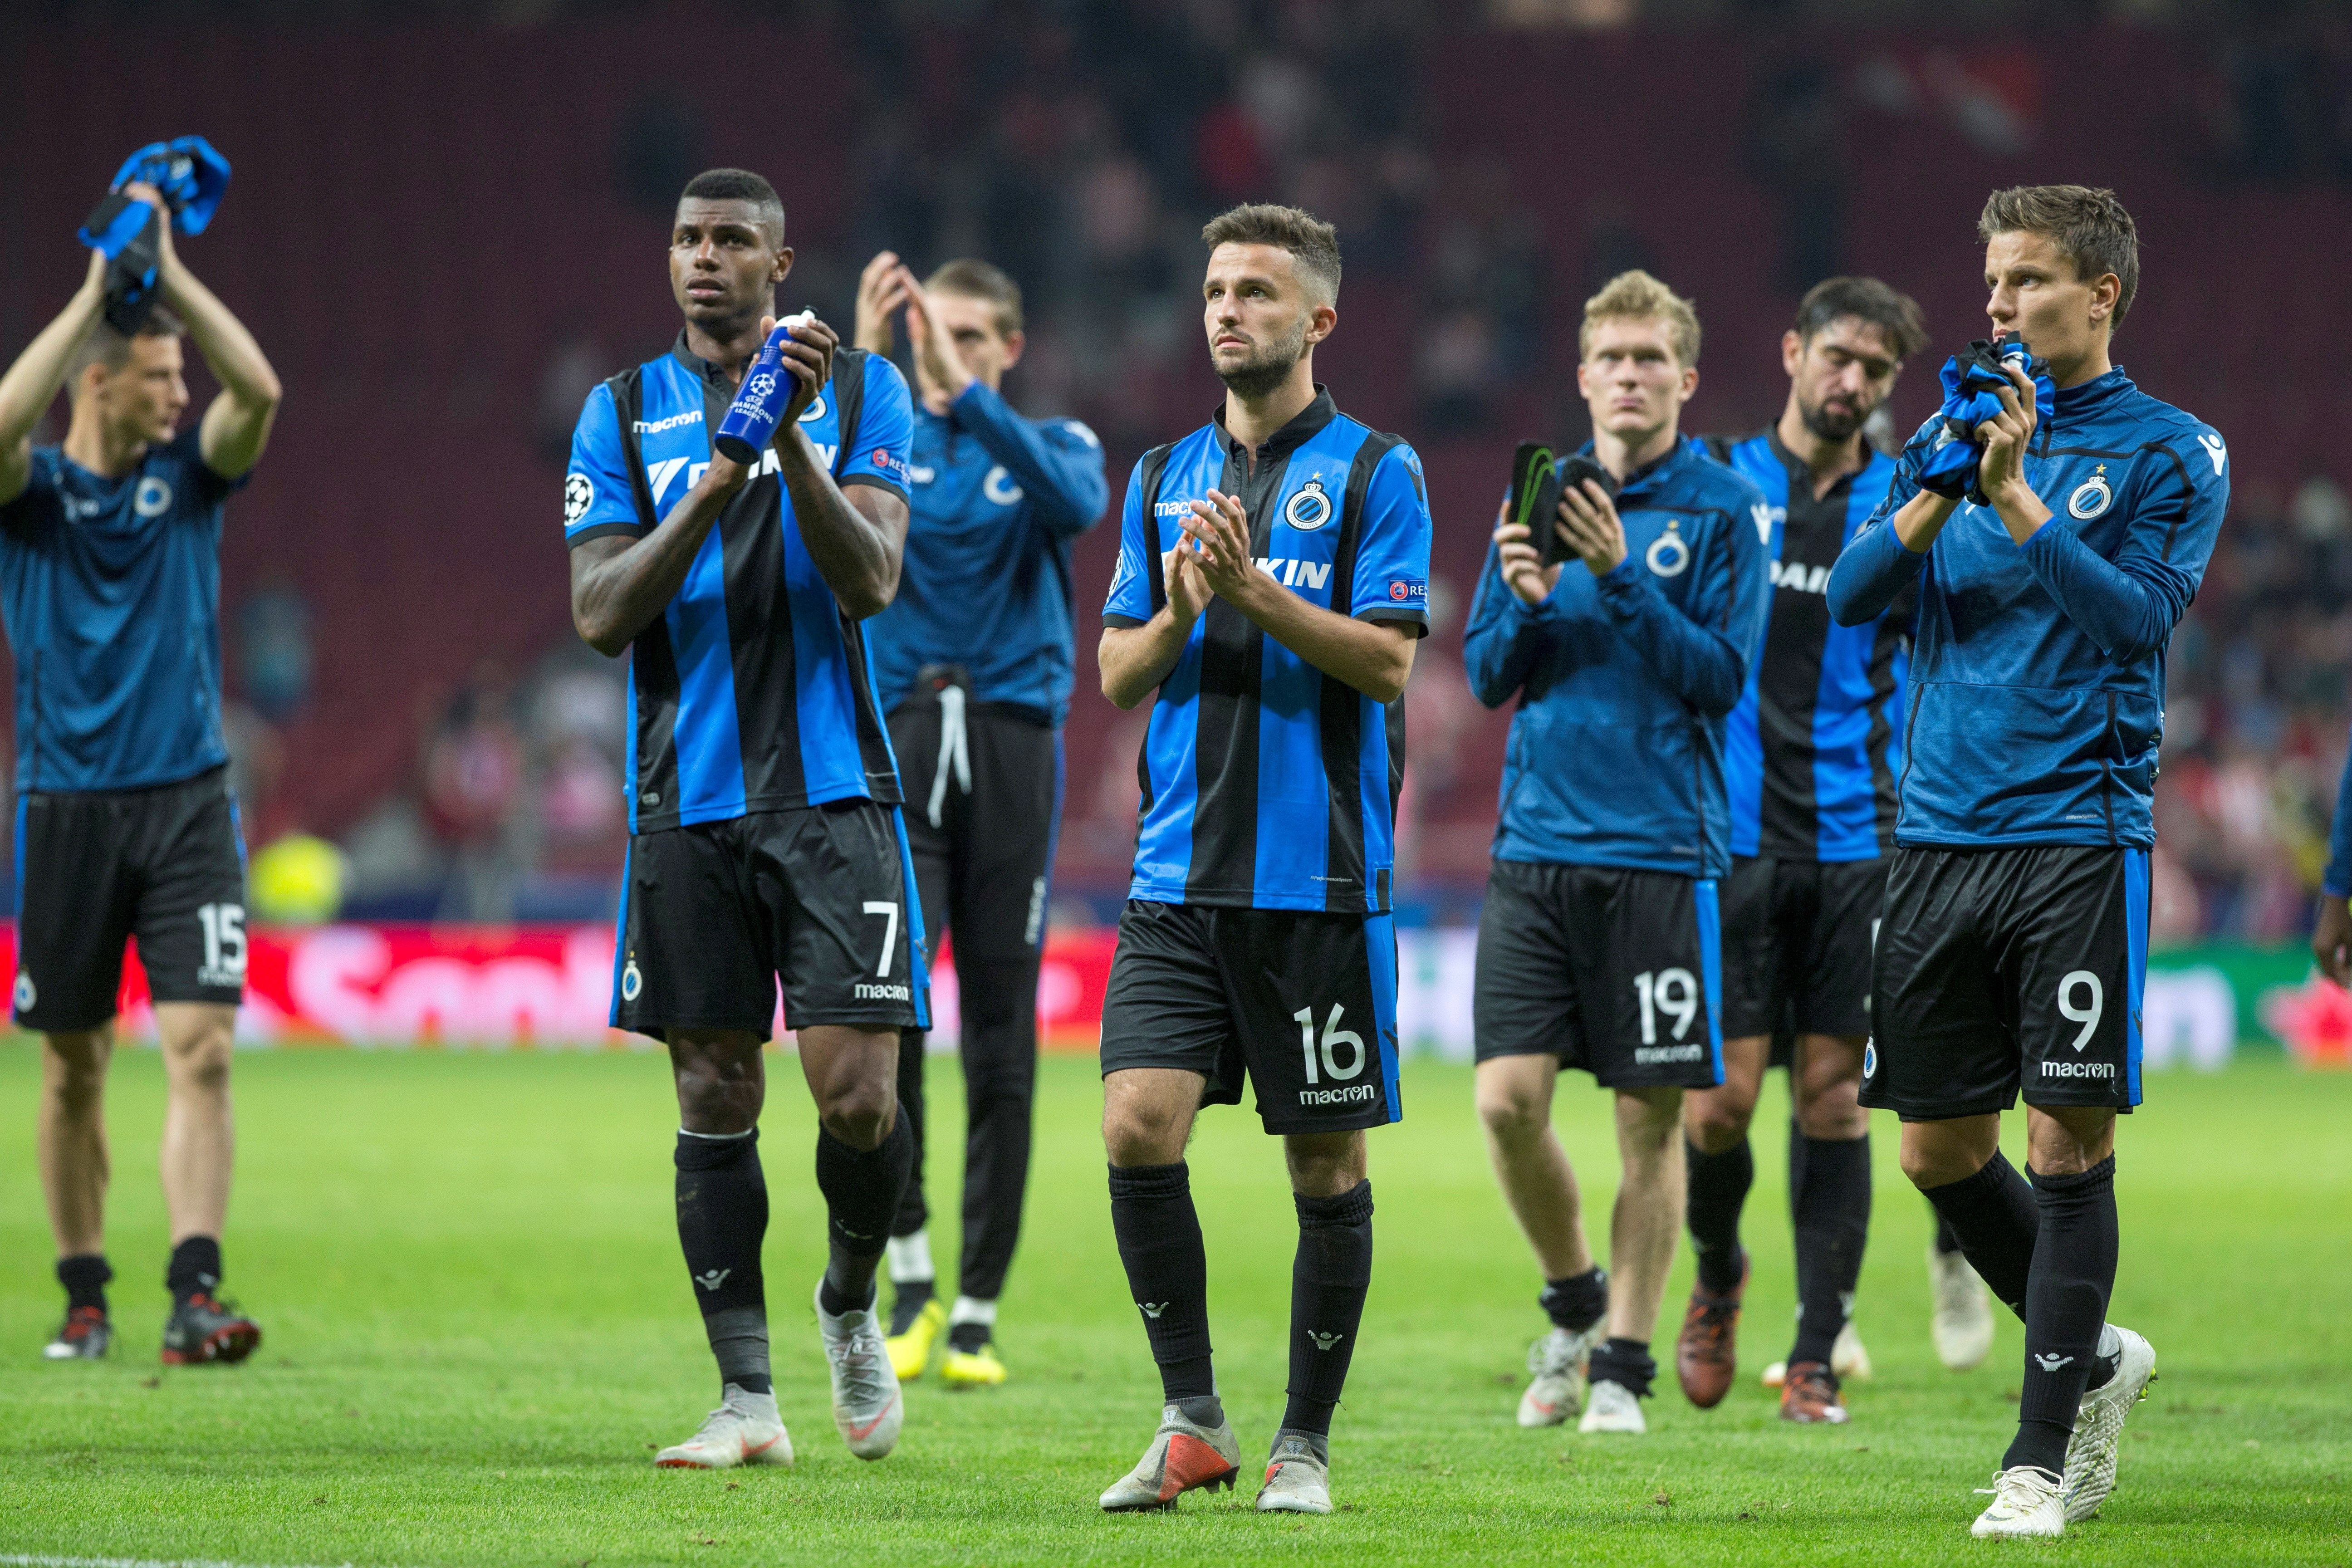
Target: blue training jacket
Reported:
[(997, 500), (1616, 752), (111, 589), (2036, 705)]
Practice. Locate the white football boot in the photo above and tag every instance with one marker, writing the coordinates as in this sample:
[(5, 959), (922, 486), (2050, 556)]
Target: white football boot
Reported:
[(1183, 1455), (1963, 1321), (1557, 1361), (868, 1408), (2026, 1503), (2099, 1424), (743, 1430), (1296, 1480), (1612, 1407)]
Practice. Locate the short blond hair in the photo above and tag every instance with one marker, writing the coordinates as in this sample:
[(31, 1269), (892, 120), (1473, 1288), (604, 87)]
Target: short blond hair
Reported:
[(1637, 296)]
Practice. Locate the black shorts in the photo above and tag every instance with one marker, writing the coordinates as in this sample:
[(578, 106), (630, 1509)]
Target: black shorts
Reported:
[(1303, 1003), (713, 915), (2006, 969), (993, 778), (1616, 973), (1796, 945), (166, 864)]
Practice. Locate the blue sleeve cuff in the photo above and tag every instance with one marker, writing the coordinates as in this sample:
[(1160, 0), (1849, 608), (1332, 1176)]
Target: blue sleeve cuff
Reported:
[(1542, 610), (988, 403), (1619, 586)]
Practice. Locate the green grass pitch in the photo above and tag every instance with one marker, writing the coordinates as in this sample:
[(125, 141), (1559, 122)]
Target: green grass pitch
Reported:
[(477, 1328)]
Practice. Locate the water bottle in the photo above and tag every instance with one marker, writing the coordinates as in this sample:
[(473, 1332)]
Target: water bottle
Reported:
[(750, 421)]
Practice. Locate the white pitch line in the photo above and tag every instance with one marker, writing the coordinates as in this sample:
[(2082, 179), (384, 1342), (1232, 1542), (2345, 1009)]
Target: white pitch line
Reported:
[(21, 1559)]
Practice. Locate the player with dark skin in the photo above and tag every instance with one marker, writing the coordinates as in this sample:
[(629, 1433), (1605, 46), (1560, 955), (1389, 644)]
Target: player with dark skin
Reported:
[(725, 263), (2331, 939)]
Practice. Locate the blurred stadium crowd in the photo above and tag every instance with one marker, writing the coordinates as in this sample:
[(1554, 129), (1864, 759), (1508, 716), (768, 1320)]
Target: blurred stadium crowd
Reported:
[(446, 230)]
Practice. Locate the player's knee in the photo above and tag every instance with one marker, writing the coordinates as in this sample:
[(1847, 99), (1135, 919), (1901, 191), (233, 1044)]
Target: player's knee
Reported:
[(859, 1114), (77, 1072), (200, 1065), (1834, 1111), (713, 1099), (1511, 1113), (1932, 1161), (1141, 1133), (1718, 1124), (1514, 1105)]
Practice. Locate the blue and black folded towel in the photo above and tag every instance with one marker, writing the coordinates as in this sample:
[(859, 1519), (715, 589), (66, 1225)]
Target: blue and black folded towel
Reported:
[(191, 175)]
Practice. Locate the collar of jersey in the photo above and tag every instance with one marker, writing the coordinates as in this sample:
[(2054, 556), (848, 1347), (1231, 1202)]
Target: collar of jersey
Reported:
[(2093, 397), (1652, 470), (701, 369), (1304, 426), (1798, 470)]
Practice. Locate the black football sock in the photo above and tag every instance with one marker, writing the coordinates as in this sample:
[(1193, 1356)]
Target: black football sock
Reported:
[(1996, 1218), (722, 1218), (971, 1324), (84, 1276), (862, 1191), (1625, 1362), (913, 1214), (1832, 1222), (2066, 1308), (1328, 1278), (1946, 1242), (1577, 1303), (195, 1267), (1159, 1237), (1718, 1187)]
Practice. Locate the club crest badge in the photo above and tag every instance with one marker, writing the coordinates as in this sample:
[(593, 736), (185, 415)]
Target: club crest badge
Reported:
[(815, 410), (1310, 510), (632, 982), (153, 499), (2092, 496), (1669, 554)]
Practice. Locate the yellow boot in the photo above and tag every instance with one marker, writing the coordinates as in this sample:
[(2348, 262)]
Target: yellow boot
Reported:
[(910, 1353), (973, 1369)]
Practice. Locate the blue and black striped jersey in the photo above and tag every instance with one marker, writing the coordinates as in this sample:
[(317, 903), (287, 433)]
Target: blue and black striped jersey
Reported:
[(1267, 784), (753, 691), (1813, 750)]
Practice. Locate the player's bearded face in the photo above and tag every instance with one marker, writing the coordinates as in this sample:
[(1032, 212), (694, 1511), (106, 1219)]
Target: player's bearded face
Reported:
[(1258, 313), (1844, 373), (1258, 365)]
